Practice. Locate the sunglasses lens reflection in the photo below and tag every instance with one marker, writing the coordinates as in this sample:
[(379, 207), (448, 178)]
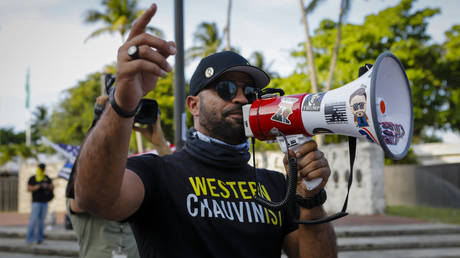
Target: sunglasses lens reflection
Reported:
[(226, 90)]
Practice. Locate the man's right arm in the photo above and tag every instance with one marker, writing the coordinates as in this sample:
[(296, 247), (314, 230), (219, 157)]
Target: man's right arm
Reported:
[(103, 186)]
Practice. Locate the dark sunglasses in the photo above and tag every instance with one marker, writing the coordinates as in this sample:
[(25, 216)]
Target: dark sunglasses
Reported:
[(227, 90)]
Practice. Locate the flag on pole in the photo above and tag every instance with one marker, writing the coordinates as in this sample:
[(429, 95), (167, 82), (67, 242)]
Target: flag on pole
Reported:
[(71, 149), (70, 152), (27, 104), (66, 170), (27, 86)]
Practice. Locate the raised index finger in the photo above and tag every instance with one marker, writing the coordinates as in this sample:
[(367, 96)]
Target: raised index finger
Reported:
[(141, 23)]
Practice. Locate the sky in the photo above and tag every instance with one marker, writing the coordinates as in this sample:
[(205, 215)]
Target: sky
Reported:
[(47, 36)]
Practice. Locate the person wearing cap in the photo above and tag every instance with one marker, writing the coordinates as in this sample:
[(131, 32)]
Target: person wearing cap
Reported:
[(41, 187), (198, 201)]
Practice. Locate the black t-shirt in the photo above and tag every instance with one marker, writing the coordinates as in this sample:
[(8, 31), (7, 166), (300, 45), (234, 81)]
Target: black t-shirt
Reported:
[(191, 209), (41, 195)]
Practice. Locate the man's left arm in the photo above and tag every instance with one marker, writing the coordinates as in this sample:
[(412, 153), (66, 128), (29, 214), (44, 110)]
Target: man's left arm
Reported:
[(311, 240), (47, 184)]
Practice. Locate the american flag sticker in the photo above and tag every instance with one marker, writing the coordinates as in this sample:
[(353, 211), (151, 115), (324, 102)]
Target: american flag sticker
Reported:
[(335, 113)]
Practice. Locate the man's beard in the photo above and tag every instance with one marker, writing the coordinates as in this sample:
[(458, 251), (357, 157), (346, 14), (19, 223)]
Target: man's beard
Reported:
[(221, 128)]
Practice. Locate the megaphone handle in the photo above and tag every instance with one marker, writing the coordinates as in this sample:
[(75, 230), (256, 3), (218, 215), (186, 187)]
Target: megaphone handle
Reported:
[(294, 143)]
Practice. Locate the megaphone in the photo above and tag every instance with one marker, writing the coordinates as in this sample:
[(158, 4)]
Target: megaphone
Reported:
[(377, 106)]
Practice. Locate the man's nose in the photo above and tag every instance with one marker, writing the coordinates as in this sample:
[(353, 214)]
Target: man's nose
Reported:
[(240, 98)]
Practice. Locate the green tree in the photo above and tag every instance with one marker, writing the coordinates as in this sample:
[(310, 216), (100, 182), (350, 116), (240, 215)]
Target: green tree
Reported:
[(257, 59), (72, 117), (402, 31), (450, 74), (315, 86), (13, 145), (118, 16), (344, 9), (333, 51), (306, 10), (7, 153), (207, 41), (164, 95), (40, 121), (8, 136)]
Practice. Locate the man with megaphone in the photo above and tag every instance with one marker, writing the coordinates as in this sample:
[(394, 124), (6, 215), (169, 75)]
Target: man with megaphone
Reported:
[(199, 201)]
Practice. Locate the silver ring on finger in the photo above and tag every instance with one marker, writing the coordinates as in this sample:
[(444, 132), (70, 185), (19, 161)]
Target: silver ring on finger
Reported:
[(133, 52)]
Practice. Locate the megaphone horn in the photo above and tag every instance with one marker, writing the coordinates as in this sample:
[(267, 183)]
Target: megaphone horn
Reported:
[(377, 106)]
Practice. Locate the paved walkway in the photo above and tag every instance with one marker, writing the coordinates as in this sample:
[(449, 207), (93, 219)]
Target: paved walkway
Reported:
[(383, 219), (373, 236), (22, 219)]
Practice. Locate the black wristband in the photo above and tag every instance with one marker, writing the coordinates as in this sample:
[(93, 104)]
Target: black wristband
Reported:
[(314, 201), (118, 109)]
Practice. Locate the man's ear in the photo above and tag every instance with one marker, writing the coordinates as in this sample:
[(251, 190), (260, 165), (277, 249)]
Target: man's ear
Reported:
[(193, 104)]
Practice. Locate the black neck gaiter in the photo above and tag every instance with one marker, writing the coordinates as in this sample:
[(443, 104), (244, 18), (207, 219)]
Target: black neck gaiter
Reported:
[(214, 153)]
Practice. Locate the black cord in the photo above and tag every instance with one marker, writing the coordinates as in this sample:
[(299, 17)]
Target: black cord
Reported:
[(291, 183), (271, 91)]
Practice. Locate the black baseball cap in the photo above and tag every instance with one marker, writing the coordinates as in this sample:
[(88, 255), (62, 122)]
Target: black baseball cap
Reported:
[(213, 66)]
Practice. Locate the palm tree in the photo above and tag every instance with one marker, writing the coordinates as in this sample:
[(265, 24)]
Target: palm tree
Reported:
[(258, 59), (344, 9), (208, 41), (11, 151), (7, 153), (40, 121), (308, 46), (227, 28), (309, 50), (117, 17)]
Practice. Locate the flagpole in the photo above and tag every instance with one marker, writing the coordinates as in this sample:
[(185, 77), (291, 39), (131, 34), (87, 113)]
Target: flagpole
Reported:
[(27, 116)]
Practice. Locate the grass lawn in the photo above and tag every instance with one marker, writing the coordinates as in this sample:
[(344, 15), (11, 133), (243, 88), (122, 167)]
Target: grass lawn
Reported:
[(442, 215)]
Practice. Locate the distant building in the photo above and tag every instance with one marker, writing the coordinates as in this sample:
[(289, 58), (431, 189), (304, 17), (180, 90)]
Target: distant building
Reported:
[(437, 153), (10, 168)]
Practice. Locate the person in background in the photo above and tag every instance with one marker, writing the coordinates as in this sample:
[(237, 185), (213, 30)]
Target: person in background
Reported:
[(98, 237), (155, 135), (41, 187)]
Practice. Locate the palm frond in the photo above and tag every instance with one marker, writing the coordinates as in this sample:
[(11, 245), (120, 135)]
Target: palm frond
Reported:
[(93, 16), (312, 6), (346, 7), (97, 33), (120, 23), (155, 31)]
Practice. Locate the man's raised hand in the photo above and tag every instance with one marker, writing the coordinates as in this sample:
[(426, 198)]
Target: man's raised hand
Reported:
[(136, 77)]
